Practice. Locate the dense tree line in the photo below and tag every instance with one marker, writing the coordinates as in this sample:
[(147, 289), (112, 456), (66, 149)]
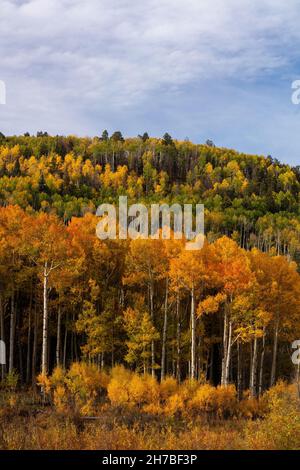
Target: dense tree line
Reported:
[(252, 199), (222, 314), (227, 313)]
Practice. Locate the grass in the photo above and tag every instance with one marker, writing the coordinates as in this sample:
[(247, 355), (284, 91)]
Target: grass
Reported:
[(44, 429), (26, 423)]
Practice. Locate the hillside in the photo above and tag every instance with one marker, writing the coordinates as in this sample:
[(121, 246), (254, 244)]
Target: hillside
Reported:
[(253, 199), (209, 331)]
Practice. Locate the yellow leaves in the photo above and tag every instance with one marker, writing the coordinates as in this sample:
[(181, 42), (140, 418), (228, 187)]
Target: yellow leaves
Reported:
[(129, 389), (115, 179), (233, 266), (44, 382), (222, 401), (208, 168), (174, 404), (224, 185), (77, 389), (280, 428), (167, 387), (203, 398), (118, 387), (143, 390), (233, 167), (60, 399), (140, 332), (190, 268), (211, 304), (287, 179), (10, 381), (146, 261), (244, 185), (252, 408), (57, 377)]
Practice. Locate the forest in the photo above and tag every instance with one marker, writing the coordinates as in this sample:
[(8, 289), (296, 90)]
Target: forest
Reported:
[(167, 335)]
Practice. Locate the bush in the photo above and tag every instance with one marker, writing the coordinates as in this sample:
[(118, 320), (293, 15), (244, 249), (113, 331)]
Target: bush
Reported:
[(226, 401), (279, 394), (188, 389), (168, 387), (77, 390), (128, 388), (219, 401), (202, 399), (174, 405), (280, 429), (251, 408), (118, 387), (10, 381)]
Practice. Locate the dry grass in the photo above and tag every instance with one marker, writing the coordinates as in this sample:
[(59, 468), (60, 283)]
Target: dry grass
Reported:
[(212, 420), (50, 431)]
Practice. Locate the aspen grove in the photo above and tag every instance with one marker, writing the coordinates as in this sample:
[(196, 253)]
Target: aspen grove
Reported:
[(225, 314)]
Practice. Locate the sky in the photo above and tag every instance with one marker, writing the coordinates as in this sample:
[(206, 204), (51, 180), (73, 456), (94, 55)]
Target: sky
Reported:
[(198, 69)]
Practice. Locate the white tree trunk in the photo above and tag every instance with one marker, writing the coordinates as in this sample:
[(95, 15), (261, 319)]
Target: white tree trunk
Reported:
[(12, 335), (164, 335), (178, 371), (228, 355), (253, 370), (225, 342), (298, 379), (45, 322), (239, 370), (274, 358), (193, 336), (3, 367), (152, 342), (261, 366), (58, 337)]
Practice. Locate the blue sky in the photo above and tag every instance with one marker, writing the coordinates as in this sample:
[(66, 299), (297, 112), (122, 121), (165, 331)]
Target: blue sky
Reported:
[(218, 69)]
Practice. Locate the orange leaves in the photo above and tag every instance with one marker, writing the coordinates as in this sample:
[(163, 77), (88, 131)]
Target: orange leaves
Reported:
[(233, 266), (146, 261), (211, 304), (190, 269)]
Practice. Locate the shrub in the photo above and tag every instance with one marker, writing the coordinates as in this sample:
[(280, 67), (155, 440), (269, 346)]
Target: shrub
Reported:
[(279, 394), (152, 394), (188, 389), (128, 388), (280, 429), (168, 387), (118, 387), (174, 405), (76, 390), (219, 401), (44, 382), (251, 408), (58, 377), (61, 399), (11, 381), (203, 399), (85, 379), (226, 401), (154, 409), (137, 390)]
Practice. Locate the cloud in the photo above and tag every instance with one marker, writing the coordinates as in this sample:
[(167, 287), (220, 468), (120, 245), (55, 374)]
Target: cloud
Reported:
[(69, 62)]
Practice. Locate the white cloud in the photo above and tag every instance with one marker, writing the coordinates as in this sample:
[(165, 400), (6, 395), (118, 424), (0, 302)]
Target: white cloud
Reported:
[(74, 58)]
